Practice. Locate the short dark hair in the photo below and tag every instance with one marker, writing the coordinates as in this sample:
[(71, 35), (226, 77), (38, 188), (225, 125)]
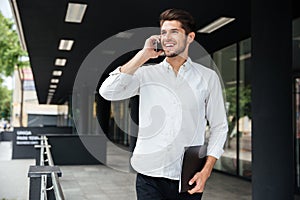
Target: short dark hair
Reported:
[(185, 18)]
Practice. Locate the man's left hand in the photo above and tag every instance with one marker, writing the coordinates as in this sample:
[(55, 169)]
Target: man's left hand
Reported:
[(200, 179)]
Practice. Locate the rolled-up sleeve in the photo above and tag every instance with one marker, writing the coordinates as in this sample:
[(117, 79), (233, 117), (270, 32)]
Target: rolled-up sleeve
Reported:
[(119, 86), (216, 116)]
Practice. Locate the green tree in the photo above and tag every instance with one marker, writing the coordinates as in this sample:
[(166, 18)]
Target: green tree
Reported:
[(5, 102), (10, 55), (244, 101), (10, 48)]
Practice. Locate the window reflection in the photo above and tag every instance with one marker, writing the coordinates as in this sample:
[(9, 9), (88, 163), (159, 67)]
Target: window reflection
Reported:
[(297, 129), (226, 63), (119, 123), (245, 117), (296, 66), (235, 73)]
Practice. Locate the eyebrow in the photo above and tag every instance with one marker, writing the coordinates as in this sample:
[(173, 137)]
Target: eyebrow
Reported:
[(173, 29)]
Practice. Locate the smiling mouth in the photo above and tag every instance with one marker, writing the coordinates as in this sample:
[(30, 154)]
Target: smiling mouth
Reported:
[(169, 46)]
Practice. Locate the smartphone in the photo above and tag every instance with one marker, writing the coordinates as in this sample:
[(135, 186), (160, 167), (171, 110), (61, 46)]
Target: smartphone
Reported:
[(157, 46)]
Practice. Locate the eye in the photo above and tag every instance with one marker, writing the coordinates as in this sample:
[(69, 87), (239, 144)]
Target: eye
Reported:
[(163, 32)]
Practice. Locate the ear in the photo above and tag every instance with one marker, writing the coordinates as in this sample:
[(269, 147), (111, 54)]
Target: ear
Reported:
[(191, 37)]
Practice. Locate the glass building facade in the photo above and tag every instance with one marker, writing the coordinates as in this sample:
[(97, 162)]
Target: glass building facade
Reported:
[(234, 65), (296, 92)]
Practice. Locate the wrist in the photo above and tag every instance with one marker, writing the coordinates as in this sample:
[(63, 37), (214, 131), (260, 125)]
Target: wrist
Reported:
[(131, 66), (143, 55), (207, 170), (209, 165)]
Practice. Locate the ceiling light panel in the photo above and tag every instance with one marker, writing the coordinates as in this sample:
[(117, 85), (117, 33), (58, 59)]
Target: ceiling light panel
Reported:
[(54, 80), (60, 61), (65, 44), (53, 86), (75, 12), (222, 21), (57, 73)]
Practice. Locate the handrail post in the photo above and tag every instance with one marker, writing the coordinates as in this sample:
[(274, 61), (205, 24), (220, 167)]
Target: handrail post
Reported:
[(42, 175)]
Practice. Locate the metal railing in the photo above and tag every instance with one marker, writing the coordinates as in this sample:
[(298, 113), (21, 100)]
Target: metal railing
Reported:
[(44, 171)]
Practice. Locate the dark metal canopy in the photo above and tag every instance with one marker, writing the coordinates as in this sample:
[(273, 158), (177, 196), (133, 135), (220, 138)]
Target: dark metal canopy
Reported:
[(43, 26)]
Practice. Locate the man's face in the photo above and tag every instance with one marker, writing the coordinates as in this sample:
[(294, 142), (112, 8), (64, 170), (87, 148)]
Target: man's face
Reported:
[(173, 38)]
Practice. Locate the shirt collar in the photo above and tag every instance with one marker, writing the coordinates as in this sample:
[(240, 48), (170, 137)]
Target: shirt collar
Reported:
[(186, 66)]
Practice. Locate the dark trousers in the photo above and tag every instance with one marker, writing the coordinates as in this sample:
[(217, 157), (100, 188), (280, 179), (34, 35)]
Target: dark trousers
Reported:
[(153, 188)]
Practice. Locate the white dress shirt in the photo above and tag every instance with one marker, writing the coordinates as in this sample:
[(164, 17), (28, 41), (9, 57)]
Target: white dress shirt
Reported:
[(174, 110)]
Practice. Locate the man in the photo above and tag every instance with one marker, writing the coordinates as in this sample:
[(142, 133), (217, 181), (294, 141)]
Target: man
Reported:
[(177, 99)]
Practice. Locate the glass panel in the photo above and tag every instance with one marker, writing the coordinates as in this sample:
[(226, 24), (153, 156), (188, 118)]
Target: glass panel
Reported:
[(225, 60), (296, 65), (119, 122), (297, 129), (245, 109)]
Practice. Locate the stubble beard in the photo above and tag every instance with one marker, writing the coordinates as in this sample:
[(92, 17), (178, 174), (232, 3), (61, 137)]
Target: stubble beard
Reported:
[(177, 52)]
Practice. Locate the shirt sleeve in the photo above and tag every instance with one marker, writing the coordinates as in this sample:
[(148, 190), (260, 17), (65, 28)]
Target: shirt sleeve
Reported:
[(216, 116), (119, 86)]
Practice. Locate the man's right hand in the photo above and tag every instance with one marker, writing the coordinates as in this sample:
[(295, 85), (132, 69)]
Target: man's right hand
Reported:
[(142, 56), (149, 47)]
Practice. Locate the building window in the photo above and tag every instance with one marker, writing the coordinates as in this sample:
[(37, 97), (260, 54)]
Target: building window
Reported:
[(244, 109), (225, 60), (234, 65), (296, 67), (297, 128), (119, 122)]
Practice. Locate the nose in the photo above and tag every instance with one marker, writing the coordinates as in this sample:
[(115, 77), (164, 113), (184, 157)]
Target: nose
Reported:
[(166, 36)]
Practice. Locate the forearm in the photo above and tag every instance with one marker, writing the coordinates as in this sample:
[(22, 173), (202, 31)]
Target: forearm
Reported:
[(209, 165), (124, 82), (138, 60), (119, 86)]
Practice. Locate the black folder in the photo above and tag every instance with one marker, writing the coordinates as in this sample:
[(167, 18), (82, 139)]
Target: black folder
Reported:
[(194, 159)]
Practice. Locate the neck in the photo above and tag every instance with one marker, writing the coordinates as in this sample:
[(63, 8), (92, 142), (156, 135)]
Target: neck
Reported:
[(176, 61)]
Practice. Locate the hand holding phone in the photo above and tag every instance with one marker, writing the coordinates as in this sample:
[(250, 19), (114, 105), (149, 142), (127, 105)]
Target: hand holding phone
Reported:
[(153, 47), (157, 46)]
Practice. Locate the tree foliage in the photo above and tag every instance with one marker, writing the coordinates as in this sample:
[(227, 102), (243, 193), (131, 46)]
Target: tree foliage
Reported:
[(10, 48), (244, 101), (10, 57), (5, 102)]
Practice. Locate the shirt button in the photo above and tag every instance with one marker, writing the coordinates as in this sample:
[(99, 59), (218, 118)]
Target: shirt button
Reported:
[(169, 147)]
